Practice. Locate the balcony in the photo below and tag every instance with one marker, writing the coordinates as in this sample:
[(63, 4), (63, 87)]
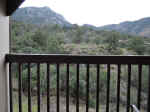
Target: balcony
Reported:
[(113, 66)]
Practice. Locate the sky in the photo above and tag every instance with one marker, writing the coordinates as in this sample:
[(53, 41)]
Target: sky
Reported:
[(96, 12)]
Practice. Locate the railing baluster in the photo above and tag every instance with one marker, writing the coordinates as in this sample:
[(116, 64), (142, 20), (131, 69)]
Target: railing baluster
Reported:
[(48, 87), (77, 96), (97, 88), (67, 89), (118, 88), (148, 100), (128, 88), (108, 87), (87, 89), (57, 88), (29, 88), (139, 86), (10, 88), (20, 88), (38, 87)]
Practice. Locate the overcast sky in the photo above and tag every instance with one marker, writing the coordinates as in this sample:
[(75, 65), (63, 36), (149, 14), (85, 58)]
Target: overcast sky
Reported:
[(96, 12)]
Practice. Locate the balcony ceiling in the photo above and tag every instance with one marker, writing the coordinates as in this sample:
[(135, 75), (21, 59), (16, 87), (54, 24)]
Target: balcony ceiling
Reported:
[(12, 5)]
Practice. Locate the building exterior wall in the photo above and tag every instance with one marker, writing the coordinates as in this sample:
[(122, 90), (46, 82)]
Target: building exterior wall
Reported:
[(4, 48)]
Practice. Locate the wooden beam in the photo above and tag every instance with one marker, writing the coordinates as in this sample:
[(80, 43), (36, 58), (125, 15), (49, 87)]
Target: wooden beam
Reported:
[(12, 5)]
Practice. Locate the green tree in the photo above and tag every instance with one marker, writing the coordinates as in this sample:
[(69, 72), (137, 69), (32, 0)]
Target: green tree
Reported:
[(40, 38), (78, 35), (137, 44), (54, 45), (113, 42)]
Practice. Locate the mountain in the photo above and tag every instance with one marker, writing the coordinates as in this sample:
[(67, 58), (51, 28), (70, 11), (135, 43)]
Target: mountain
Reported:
[(39, 15), (140, 27), (46, 16)]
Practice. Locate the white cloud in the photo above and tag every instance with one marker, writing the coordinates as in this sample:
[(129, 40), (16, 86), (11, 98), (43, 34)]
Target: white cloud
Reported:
[(96, 12)]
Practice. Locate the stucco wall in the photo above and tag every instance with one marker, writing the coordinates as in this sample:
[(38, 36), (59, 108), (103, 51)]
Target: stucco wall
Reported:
[(4, 48)]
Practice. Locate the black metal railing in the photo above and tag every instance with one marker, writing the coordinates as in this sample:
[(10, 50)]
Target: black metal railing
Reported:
[(77, 61)]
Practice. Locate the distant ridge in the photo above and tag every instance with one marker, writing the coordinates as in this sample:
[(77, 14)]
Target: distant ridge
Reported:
[(140, 27)]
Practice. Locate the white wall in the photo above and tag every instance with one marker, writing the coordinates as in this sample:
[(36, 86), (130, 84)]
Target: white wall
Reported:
[(4, 48)]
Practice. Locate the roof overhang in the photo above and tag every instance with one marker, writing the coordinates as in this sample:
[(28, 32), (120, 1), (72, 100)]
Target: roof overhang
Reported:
[(12, 5)]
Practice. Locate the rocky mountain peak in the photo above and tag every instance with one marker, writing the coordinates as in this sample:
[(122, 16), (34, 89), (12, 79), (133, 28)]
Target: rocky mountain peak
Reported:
[(39, 15)]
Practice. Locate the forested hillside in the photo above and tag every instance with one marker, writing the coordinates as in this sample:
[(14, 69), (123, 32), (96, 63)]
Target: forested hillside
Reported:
[(140, 27), (53, 38), (41, 30)]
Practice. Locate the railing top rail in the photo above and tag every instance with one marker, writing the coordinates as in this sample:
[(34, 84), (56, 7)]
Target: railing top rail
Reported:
[(73, 59)]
